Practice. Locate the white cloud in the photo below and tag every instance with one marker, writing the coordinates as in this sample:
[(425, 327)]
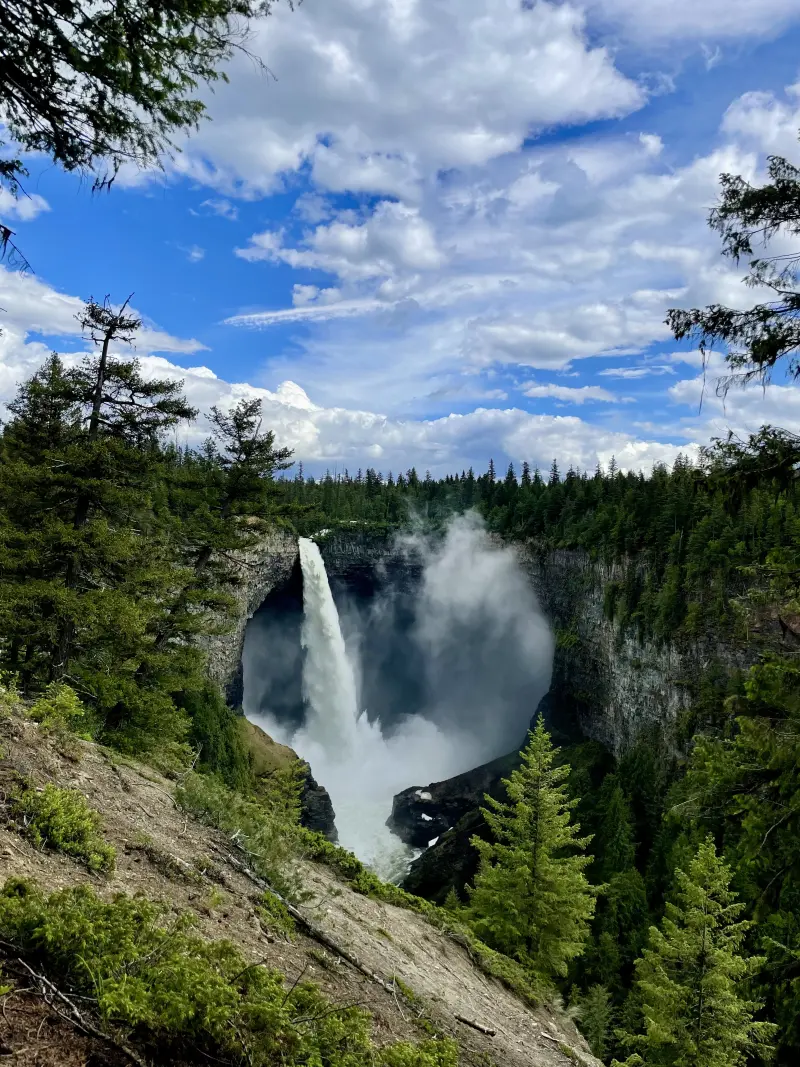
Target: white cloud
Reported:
[(224, 208), (334, 435), (33, 307), (665, 21), (572, 394), (22, 207), (377, 96), (195, 253), (393, 238), (647, 371)]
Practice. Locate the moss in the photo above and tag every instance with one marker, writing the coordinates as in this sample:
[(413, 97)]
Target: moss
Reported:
[(61, 819)]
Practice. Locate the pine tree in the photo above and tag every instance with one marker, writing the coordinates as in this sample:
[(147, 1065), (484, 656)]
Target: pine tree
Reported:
[(689, 979), (614, 844), (595, 1017), (531, 899)]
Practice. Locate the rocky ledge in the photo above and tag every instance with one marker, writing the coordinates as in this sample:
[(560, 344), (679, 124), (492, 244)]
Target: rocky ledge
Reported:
[(421, 815)]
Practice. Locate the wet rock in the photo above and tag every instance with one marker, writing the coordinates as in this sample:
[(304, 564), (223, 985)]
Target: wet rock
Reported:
[(420, 814), (317, 808)]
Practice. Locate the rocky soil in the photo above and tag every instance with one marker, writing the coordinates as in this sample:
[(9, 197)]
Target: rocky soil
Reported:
[(168, 855)]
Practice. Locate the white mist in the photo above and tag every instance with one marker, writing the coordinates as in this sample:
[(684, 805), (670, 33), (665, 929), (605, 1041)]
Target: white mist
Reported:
[(485, 652)]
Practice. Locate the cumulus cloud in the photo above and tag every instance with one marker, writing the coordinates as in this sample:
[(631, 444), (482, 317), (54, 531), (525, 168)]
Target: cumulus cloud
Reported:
[(330, 435), (23, 207), (393, 238), (376, 96)]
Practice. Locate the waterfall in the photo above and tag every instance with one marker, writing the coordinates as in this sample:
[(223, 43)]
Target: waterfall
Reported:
[(347, 753), (329, 681), (481, 647)]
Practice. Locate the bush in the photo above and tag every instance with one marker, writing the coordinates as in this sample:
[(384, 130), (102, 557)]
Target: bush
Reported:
[(269, 828), (60, 710), (61, 819), (156, 980)]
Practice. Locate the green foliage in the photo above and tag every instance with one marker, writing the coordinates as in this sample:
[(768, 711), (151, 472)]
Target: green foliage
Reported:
[(614, 844), (60, 709), (214, 732), (757, 339), (531, 899), (61, 819), (274, 913), (155, 980), (690, 979), (119, 84), (595, 1018), (268, 828), (117, 551)]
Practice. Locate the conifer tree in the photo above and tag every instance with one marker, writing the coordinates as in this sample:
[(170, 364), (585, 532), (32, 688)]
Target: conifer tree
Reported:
[(531, 899), (595, 1016), (614, 844), (689, 981)]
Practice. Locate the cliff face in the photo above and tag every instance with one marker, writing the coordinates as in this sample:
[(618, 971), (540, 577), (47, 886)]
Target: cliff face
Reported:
[(264, 567), (614, 684)]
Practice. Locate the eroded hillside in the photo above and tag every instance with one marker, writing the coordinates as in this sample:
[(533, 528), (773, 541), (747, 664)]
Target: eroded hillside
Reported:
[(414, 979)]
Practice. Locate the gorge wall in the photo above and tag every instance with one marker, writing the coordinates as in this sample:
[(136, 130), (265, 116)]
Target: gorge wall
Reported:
[(612, 684)]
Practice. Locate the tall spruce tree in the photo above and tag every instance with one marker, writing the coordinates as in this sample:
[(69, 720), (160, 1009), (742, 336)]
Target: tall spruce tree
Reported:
[(86, 566), (690, 981), (531, 899)]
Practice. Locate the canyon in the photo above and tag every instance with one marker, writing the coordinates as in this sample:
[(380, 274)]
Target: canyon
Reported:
[(607, 685)]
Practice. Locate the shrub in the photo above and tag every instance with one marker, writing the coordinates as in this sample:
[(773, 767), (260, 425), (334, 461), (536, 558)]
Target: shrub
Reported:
[(61, 819), (155, 979), (268, 828), (59, 709)]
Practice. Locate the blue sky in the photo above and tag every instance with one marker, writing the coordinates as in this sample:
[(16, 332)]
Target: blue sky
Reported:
[(450, 229)]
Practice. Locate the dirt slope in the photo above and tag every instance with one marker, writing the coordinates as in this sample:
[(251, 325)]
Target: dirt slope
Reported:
[(171, 857)]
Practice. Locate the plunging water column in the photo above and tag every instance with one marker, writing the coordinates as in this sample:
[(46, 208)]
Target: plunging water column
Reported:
[(348, 754)]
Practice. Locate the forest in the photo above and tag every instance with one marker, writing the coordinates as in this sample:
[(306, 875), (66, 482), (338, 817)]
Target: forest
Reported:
[(656, 897), (116, 556)]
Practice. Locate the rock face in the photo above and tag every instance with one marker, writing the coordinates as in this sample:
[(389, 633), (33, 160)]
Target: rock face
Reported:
[(614, 686), (317, 808), (261, 569), (420, 814)]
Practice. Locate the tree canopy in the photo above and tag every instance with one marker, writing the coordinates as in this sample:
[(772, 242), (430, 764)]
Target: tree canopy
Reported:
[(748, 218)]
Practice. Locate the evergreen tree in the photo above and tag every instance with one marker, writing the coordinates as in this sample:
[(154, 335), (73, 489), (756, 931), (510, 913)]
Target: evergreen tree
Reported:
[(759, 337), (614, 845), (595, 1017), (531, 899), (689, 980)]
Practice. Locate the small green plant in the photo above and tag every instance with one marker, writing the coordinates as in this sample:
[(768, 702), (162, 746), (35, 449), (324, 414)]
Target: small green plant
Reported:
[(9, 693), (273, 913), (268, 828), (59, 709), (160, 984), (61, 819)]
